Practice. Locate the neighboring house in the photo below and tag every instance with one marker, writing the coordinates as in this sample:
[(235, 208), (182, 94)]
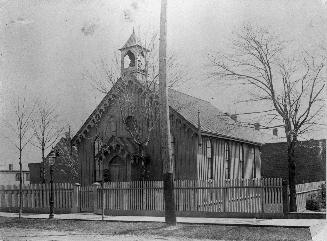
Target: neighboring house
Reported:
[(310, 160), (35, 172), (12, 177), (206, 143), (66, 166)]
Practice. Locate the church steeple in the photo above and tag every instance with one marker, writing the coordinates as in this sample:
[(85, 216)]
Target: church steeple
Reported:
[(133, 57)]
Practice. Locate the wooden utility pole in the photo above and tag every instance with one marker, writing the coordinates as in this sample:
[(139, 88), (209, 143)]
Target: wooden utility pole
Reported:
[(166, 151)]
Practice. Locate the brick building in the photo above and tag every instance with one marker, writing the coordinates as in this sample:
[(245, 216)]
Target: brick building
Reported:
[(310, 160)]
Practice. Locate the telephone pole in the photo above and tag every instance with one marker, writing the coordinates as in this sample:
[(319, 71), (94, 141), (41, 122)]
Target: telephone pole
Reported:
[(166, 151)]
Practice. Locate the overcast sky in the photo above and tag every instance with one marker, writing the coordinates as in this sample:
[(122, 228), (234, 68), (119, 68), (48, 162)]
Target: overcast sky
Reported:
[(46, 47)]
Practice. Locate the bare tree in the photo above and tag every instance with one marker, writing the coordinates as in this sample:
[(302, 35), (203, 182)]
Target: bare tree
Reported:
[(46, 129), (21, 128), (292, 85)]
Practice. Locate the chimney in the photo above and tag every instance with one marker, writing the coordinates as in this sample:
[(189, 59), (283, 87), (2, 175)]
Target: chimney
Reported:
[(275, 132), (234, 117), (10, 167), (257, 126)]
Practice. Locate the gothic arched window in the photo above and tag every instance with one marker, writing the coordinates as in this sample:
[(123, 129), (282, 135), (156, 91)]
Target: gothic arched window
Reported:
[(241, 158), (227, 160), (113, 126), (97, 146), (97, 161), (210, 158), (254, 174)]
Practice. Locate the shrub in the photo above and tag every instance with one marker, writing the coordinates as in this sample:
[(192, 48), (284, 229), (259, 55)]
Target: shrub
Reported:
[(322, 195), (317, 201), (312, 205)]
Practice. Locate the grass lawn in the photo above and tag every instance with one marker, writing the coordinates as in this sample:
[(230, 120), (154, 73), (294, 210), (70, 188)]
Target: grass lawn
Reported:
[(9, 227)]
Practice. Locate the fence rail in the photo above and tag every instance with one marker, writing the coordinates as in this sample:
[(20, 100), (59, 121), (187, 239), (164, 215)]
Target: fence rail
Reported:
[(36, 197), (255, 196), (192, 197), (303, 191)]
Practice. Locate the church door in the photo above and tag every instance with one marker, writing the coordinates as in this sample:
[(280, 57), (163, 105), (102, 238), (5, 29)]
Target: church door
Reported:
[(117, 169)]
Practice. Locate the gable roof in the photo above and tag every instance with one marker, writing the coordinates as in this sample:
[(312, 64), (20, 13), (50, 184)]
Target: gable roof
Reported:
[(213, 121)]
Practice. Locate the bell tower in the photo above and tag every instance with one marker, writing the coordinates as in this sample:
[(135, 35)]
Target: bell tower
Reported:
[(133, 58)]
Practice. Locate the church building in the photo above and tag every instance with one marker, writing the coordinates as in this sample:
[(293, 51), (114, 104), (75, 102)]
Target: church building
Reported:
[(120, 140)]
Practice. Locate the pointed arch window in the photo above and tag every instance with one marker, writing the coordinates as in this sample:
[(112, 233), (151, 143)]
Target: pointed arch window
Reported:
[(97, 146), (241, 158), (254, 173), (113, 126), (209, 152), (173, 152), (97, 159), (227, 160)]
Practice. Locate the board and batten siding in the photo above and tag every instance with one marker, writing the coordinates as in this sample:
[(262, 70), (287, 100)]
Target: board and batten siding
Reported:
[(190, 161), (228, 160)]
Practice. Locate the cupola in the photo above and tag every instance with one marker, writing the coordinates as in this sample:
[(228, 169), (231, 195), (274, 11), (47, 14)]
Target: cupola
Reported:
[(133, 58)]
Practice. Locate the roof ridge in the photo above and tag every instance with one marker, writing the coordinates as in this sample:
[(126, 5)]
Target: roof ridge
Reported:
[(190, 95)]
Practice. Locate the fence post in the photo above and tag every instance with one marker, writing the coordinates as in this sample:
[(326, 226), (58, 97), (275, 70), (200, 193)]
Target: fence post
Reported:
[(285, 198), (76, 198), (95, 187)]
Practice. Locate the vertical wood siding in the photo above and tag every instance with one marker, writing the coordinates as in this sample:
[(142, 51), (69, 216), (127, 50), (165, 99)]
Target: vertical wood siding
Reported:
[(219, 162), (190, 161)]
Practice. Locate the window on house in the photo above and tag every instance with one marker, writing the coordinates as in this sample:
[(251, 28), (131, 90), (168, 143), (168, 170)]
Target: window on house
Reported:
[(209, 158), (113, 126), (97, 163), (17, 176), (27, 176), (131, 123), (254, 169), (227, 160), (241, 157), (98, 170), (97, 146), (173, 151)]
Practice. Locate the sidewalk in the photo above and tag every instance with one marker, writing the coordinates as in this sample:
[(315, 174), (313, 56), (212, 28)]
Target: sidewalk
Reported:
[(318, 227), (294, 223)]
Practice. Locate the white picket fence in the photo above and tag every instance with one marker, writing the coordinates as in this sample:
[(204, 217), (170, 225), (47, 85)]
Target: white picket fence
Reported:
[(36, 197), (193, 197), (241, 198), (303, 191)]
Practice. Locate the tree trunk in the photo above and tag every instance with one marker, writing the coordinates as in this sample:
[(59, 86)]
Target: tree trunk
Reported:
[(43, 165), (291, 175), (20, 179), (291, 142)]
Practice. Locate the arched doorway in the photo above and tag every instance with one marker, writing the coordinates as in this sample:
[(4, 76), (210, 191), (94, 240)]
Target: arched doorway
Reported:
[(116, 170)]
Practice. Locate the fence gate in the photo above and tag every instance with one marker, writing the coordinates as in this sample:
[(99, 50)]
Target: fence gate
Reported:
[(86, 198)]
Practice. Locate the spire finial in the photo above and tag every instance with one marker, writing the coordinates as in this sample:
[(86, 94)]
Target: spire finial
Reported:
[(133, 30)]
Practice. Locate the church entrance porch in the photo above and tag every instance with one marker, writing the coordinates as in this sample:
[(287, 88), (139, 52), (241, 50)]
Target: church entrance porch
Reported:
[(118, 161)]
